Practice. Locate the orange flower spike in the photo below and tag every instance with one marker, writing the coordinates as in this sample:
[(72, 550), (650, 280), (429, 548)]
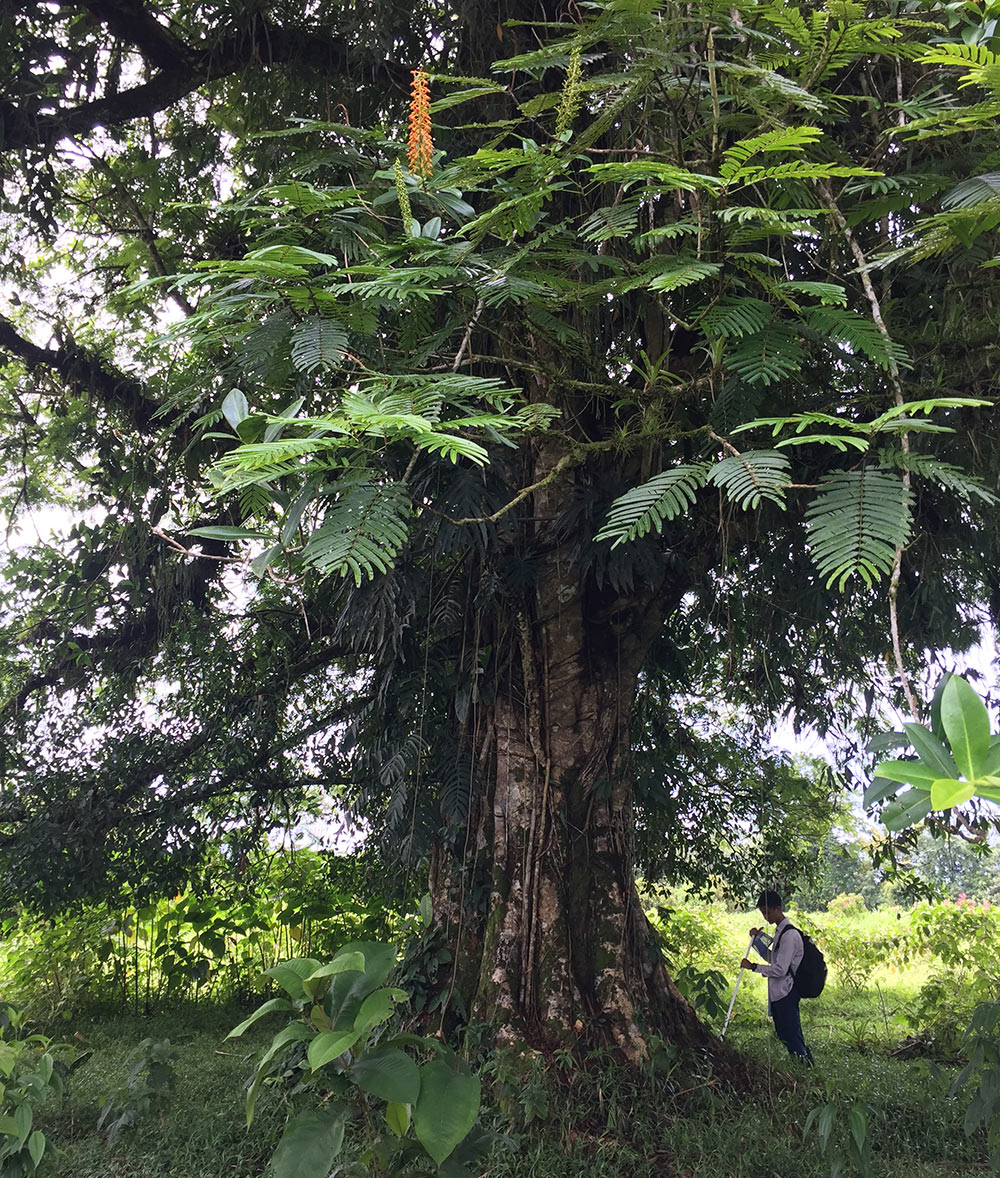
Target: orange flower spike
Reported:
[(420, 146)]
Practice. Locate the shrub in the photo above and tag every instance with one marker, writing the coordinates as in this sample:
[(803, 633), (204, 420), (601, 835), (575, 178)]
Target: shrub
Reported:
[(33, 1069)]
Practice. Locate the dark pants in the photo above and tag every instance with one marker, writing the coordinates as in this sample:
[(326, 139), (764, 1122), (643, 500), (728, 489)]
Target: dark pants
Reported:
[(785, 1013)]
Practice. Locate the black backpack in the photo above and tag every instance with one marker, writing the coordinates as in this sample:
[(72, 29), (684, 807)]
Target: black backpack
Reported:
[(810, 977)]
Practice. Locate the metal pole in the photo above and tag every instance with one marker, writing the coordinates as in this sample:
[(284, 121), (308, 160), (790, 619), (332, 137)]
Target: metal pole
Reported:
[(732, 1001)]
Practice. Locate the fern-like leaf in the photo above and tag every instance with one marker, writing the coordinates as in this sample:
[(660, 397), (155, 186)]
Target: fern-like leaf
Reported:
[(645, 508), (783, 139), (973, 191), (858, 333), (856, 523), (945, 474), (795, 170), (667, 273), (736, 317), (363, 531), (747, 478), (318, 343), (769, 356)]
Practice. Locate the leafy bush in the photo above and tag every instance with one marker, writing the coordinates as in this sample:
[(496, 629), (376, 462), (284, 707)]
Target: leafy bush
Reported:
[(333, 1056), (852, 951), (982, 1045), (210, 946), (965, 938), (34, 1069), (962, 938), (847, 904)]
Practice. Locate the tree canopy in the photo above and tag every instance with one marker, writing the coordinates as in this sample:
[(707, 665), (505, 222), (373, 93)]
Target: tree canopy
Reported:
[(467, 473)]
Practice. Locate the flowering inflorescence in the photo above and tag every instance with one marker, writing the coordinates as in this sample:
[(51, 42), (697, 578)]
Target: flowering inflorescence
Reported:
[(403, 196), (420, 146), (569, 103)]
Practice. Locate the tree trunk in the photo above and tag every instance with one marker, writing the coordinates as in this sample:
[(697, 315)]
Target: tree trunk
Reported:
[(561, 952)]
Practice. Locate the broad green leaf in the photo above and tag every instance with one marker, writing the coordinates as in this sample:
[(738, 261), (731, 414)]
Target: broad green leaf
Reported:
[(295, 254), (446, 1109), (992, 763), (936, 727), (342, 963), (329, 1045), (397, 1117), (294, 1033), (378, 1007), (291, 974), (23, 1119), (947, 792), (990, 793), (389, 1074), (858, 1123), (235, 407), (909, 772), (930, 750), (36, 1146), (878, 791), (908, 809), (967, 725), (310, 1143), (348, 990), (261, 563)]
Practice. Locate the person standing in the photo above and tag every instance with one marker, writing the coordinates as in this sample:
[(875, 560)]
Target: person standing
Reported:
[(782, 956)]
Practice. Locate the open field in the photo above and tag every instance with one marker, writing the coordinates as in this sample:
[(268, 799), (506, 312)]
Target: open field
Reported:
[(557, 1117)]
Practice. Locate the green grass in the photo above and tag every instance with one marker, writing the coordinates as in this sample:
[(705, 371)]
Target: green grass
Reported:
[(203, 1133)]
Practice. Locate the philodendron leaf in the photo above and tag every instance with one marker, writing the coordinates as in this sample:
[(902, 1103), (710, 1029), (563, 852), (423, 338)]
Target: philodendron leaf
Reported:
[(343, 963), (947, 792), (310, 1143), (967, 725), (377, 1008), (931, 751), (389, 1074), (294, 1033), (290, 974), (446, 1109), (328, 1045), (907, 772)]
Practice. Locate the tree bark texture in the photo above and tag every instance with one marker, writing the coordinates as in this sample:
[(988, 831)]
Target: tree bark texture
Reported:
[(562, 951)]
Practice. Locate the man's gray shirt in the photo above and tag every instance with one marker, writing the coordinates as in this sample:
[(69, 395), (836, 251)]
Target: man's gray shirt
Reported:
[(781, 963)]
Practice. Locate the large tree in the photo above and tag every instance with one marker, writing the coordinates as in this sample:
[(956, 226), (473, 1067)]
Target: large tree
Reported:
[(484, 414)]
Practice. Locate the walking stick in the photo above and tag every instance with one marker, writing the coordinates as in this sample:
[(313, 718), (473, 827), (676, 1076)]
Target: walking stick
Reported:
[(732, 1001)]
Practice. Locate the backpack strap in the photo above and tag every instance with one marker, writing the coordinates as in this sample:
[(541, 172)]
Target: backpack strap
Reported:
[(774, 945)]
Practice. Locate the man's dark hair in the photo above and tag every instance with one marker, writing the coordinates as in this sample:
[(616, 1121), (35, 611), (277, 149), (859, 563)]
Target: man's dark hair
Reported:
[(769, 899)]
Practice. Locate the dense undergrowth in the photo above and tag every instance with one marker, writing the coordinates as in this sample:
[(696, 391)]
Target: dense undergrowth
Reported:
[(161, 1091)]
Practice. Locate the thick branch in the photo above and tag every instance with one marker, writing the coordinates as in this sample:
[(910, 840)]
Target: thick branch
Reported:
[(255, 44), (86, 372), (131, 23)]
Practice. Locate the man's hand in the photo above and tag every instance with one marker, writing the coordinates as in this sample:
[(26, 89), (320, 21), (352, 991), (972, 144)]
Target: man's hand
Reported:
[(755, 932), (746, 963)]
